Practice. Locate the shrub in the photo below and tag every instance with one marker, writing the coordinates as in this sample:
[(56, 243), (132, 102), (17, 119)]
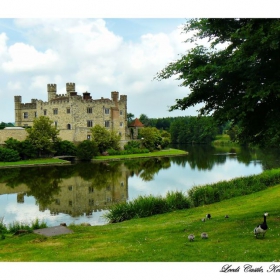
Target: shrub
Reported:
[(9, 155), (86, 150), (132, 145), (65, 148)]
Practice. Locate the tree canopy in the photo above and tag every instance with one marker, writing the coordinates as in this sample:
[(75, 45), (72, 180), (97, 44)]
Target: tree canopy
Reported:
[(236, 78), (43, 135)]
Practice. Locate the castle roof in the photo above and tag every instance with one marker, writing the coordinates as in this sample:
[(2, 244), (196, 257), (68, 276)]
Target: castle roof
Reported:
[(136, 123)]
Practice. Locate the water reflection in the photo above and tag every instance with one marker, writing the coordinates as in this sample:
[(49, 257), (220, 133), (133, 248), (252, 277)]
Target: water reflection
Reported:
[(81, 190)]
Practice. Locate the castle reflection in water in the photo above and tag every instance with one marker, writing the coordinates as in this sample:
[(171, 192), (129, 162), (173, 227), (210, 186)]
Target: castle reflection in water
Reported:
[(73, 190)]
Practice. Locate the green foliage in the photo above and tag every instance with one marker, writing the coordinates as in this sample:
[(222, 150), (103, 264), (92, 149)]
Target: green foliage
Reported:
[(86, 150), (8, 155), (151, 138), (238, 80), (65, 148), (193, 130), (112, 152), (145, 206), (16, 226), (43, 135), (132, 145), (105, 139), (211, 193), (24, 148)]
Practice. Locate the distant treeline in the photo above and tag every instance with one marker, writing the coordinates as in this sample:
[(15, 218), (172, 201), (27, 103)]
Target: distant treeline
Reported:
[(188, 129), (3, 125)]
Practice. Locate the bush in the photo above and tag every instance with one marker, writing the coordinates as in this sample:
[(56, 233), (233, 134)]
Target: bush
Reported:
[(145, 206), (65, 148), (211, 193), (86, 150), (132, 145), (8, 155)]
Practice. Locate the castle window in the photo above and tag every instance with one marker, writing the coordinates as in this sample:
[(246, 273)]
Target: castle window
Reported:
[(107, 111), (68, 110), (70, 203), (70, 188), (120, 112), (57, 201), (89, 110), (55, 111), (91, 202), (25, 115), (89, 123), (45, 112), (107, 123), (121, 124), (55, 124), (68, 126), (90, 190), (88, 137), (35, 114), (120, 134)]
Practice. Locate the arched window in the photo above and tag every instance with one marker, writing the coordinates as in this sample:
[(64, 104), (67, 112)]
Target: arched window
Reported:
[(68, 126)]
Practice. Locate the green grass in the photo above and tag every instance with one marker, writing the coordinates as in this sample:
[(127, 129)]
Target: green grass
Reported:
[(164, 238), (33, 162), (224, 140), (168, 152)]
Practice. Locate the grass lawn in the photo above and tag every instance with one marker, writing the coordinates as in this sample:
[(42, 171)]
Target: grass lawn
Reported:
[(162, 153), (164, 238), (33, 162)]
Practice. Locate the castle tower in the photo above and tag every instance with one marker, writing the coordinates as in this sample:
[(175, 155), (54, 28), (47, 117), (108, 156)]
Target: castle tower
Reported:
[(17, 100), (70, 87), (51, 91), (115, 97)]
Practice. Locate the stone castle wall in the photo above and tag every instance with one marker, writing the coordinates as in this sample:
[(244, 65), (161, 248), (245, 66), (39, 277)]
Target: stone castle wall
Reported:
[(74, 115)]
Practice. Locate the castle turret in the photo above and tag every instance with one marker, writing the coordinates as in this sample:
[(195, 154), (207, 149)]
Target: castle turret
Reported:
[(51, 91), (115, 97), (70, 87), (17, 101)]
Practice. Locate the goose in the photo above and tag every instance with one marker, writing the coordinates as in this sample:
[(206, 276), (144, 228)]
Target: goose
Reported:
[(208, 216), (204, 235), (261, 228), (191, 237), (226, 216), (203, 220)]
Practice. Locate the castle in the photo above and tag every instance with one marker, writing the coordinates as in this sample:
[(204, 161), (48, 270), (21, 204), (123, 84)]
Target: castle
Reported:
[(74, 115)]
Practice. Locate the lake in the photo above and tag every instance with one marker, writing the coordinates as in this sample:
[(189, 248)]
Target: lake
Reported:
[(82, 192)]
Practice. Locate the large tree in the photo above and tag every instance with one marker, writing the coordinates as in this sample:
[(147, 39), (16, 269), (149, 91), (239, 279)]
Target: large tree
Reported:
[(43, 135), (236, 78)]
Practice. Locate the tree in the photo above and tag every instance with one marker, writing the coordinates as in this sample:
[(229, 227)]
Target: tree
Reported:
[(237, 78), (86, 150), (152, 139), (105, 139), (65, 148), (130, 117), (43, 135)]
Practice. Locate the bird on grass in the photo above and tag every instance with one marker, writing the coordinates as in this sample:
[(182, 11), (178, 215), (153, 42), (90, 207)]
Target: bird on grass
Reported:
[(203, 220), (208, 216), (261, 228), (204, 235), (191, 237), (226, 216)]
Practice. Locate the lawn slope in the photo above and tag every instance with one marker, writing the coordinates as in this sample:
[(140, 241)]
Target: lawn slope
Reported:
[(164, 237)]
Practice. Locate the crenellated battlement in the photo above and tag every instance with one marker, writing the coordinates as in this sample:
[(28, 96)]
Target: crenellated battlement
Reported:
[(28, 106), (70, 87), (51, 87), (17, 99)]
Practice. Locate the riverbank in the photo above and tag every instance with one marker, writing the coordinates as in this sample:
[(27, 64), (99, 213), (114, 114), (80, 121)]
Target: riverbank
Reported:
[(34, 162), (164, 237), (161, 153), (57, 161)]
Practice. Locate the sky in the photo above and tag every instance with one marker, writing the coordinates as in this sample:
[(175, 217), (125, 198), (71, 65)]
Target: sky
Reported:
[(113, 46), (98, 55)]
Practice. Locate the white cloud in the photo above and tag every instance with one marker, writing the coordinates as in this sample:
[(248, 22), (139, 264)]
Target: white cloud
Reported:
[(88, 53), (14, 85)]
